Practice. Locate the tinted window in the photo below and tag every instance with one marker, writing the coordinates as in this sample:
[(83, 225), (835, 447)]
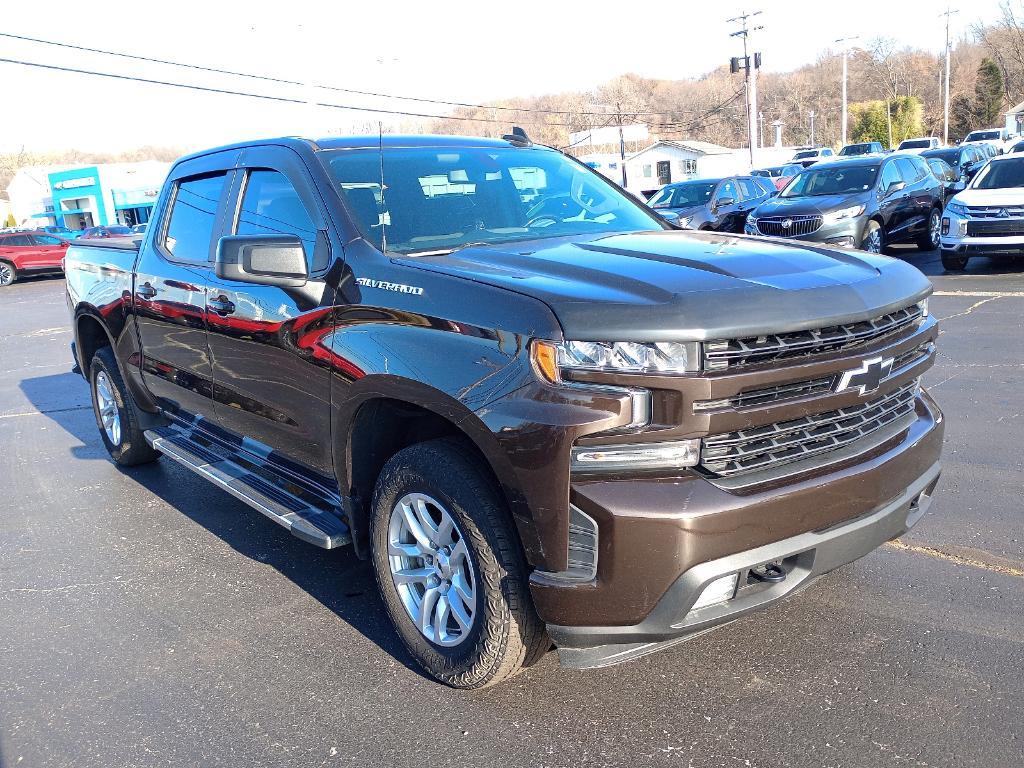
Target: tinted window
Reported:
[(1001, 174), (727, 189), (683, 195), (982, 135), (271, 206), (908, 170), (915, 144), (751, 190), (19, 240), (440, 198), (46, 240), (889, 176), (837, 179), (192, 219)]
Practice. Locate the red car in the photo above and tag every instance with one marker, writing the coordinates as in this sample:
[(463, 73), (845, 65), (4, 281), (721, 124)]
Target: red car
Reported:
[(26, 253)]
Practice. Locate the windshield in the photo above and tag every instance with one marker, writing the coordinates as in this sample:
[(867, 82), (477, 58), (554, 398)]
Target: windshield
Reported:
[(856, 149), (805, 153), (982, 135), (843, 180), (683, 196), (1001, 174), (437, 199)]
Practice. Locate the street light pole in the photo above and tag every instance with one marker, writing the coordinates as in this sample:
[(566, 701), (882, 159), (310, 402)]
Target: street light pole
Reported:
[(945, 118), (622, 144), (811, 115), (846, 52)]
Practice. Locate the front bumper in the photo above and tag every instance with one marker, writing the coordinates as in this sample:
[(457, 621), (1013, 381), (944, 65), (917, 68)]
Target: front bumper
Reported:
[(663, 540), (983, 246)]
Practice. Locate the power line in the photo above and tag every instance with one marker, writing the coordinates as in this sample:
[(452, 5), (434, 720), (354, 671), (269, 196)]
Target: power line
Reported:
[(267, 97), (282, 81)]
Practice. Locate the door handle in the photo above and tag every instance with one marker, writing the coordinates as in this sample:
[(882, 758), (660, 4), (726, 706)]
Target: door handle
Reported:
[(221, 305), (146, 291)]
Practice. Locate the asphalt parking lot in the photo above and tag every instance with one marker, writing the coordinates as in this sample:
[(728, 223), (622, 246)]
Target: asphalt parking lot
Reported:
[(148, 619)]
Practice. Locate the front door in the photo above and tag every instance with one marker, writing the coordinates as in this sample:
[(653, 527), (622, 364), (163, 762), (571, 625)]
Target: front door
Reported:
[(173, 273), (272, 383), (664, 172), (48, 252)]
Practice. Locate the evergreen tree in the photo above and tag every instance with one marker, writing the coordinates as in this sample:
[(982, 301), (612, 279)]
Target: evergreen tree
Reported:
[(988, 94)]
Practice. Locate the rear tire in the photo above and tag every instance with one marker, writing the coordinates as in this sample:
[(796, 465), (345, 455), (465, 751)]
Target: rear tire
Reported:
[(469, 524), (954, 262), (115, 413), (8, 274), (929, 241)]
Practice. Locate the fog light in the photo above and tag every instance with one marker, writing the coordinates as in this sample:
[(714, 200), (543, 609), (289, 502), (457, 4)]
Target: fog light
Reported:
[(604, 458), (945, 225), (718, 591), (963, 229)]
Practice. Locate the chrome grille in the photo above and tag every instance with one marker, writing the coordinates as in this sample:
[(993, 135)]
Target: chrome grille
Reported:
[(776, 226), (995, 211), (719, 355), (796, 390), (773, 445)]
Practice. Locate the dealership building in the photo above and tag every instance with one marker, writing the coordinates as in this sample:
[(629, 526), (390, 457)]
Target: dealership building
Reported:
[(77, 197)]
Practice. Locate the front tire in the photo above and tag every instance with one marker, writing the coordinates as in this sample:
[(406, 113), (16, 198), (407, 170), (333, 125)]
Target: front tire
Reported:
[(954, 262), (929, 241), (8, 274), (115, 413), (872, 241), (450, 568)]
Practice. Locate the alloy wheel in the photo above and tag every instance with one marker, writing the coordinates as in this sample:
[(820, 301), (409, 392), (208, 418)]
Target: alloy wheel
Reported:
[(934, 228), (432, 569), (873, 242), (110, 416), (6, 274)]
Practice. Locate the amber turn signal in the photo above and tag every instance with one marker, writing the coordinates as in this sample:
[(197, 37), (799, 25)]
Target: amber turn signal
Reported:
[(544, 356)]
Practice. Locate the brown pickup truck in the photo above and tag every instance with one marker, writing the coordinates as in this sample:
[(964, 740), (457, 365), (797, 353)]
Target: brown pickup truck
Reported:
[(539, 411)]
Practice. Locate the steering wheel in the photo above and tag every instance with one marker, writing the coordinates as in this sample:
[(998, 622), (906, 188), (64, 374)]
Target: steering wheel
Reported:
[(543, 217)]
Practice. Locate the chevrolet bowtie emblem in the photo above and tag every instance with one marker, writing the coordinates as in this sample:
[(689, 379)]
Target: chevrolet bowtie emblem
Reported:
[(868, 377)]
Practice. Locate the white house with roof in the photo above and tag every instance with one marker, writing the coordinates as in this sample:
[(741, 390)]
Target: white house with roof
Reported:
[(665, 162)]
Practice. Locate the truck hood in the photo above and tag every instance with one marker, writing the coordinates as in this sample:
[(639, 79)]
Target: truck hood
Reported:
[(1010, 196), (674, 285)]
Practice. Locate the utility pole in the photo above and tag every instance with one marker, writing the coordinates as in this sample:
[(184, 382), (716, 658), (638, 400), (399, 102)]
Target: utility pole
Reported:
[(622, 144), (760, 126), (750, 66), (811, 115), (846, 52), (945, 119)]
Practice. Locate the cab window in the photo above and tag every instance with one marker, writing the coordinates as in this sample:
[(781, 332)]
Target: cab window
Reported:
[(727, 190), (193, 218), (271, 206), (889, 176)]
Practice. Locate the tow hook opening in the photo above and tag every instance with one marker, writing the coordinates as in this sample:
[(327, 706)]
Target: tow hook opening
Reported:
[(772, 573)]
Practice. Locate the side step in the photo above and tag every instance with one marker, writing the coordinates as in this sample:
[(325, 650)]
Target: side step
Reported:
[(316, 525)]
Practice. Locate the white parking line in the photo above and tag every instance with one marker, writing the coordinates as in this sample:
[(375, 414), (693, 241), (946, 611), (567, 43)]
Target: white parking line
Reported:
[(980, 294)]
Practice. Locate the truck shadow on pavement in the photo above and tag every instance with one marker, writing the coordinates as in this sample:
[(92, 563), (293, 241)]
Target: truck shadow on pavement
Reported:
[(336, 578)]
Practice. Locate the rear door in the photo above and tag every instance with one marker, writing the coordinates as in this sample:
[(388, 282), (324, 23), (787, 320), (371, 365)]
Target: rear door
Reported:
[(174, 269), (50, 251), (272, 383), (919, 193), (19, 250)]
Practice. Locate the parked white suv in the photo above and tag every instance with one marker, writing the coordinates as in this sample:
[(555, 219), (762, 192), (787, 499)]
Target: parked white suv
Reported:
[(920, 145), (808, 157), (1000, 138), (987, 218)]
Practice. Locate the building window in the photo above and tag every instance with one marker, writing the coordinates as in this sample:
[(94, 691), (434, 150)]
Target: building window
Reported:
[(688, 167), (647, 171)]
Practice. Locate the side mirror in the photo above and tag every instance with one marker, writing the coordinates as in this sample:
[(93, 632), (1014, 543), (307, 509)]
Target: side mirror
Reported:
[(724, 202), (262, 260), (894, 187)]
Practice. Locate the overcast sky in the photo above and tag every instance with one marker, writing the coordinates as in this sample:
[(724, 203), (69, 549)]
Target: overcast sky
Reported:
[(460, 50)]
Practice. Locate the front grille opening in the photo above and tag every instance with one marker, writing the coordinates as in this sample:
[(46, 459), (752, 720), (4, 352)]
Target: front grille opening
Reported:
[(789, 226), (731, 353), (784, 442)]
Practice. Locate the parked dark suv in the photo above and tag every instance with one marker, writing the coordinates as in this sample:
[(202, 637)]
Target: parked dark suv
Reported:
[(866, 203), (966, 160), (717, 204)]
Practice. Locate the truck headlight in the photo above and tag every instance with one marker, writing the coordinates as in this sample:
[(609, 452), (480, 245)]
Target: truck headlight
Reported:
[(843, 213), (628, 356), (956, 208)]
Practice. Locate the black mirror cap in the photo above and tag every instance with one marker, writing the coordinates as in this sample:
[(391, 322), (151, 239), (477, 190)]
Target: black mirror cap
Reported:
[(724, 202), (262, 260)]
